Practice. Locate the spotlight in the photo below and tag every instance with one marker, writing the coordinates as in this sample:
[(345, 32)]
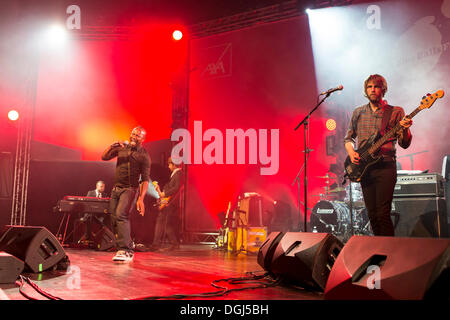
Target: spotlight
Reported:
[(177, 35), (13, 115), (331, 124), (56, 36)]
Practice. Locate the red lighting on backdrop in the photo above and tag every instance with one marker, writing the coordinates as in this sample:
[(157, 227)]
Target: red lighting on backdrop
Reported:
[(13, 115)]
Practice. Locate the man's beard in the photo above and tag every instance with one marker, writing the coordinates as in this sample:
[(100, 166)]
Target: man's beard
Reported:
[(375, 99)]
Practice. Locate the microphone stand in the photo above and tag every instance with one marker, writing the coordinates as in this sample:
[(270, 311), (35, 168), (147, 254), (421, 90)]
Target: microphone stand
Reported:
[(305, 123)]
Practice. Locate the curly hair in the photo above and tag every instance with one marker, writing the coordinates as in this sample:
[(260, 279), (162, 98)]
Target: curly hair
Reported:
[(380, 80)]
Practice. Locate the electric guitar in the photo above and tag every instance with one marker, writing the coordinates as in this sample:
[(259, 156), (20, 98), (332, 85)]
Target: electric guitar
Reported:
[(367, 153), (223, 234), (162, 202)]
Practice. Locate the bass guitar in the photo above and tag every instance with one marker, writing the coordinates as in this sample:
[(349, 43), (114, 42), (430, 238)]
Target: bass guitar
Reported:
[(367, 153)]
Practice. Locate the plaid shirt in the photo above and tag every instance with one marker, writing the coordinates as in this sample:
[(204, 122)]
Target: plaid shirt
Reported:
[(365, 122)]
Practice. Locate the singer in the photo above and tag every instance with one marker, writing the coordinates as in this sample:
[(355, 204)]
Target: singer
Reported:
[(379, 181), (131, 180)]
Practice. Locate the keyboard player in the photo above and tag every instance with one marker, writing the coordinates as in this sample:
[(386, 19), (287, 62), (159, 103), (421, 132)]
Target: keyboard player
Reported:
[(88, 218)]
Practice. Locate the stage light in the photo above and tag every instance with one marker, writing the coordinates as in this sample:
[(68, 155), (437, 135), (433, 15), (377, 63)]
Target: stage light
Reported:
[(56, 36), (330, 124), (177, 35), (13, 115)]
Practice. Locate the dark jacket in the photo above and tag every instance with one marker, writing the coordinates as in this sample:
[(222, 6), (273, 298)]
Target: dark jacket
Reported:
[(173, 187)]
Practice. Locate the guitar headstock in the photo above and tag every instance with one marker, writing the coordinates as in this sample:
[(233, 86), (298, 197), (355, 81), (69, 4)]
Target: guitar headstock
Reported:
[(428, 100)]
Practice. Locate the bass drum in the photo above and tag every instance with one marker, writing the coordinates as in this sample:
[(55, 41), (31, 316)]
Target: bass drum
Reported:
[(327, 216)]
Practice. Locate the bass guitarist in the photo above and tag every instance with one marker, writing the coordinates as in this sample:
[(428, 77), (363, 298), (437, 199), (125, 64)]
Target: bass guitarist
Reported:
[(168, 220), (379, 180)]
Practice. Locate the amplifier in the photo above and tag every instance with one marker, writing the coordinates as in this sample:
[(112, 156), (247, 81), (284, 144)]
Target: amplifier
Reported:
[(418, 185), (420, 217)]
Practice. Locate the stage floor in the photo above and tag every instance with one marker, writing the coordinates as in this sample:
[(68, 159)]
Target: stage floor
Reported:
[(189, 270)]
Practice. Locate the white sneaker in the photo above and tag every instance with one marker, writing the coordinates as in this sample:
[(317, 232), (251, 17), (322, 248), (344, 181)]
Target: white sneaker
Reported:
[(123, 256)]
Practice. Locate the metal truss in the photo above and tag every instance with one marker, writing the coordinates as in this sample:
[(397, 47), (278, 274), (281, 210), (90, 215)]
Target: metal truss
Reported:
[(201, 237), (23, 148), (282, 11), (100, 33), (277, 12)]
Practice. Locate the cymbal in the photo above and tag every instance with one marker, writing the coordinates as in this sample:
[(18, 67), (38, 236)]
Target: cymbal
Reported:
[(326, 177), (337, 190)]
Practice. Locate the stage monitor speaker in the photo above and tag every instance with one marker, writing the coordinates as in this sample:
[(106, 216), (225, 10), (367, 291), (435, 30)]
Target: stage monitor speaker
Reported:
[(36, 246), (10, 268), (391, 268), (299, 257), (420, 217), (104, 239)]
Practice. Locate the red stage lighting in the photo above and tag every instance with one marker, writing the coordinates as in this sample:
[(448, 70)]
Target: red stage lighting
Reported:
[(177, 35), (331, 124), (13, 115)]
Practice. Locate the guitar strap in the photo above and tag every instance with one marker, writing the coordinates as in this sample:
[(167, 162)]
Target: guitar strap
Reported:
[(386, 117)]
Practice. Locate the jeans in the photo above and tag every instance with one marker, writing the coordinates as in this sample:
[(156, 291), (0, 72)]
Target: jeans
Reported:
[(378, 185), (121, 204)]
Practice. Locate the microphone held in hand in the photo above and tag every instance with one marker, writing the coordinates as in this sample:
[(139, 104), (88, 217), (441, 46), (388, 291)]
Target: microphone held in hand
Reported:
[(332, 90), (120, 144)]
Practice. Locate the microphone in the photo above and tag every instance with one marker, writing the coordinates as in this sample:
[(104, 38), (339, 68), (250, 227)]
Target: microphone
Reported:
[(119, 144), (332, 90)]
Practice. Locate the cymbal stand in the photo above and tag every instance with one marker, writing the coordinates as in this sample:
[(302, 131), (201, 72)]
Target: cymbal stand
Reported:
[(351, 208)]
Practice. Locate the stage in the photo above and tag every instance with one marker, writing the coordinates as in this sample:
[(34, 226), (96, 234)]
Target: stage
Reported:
[(189, 270)]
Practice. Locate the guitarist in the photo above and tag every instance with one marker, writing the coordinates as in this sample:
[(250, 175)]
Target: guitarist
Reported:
[(379, 180), (168, 220)]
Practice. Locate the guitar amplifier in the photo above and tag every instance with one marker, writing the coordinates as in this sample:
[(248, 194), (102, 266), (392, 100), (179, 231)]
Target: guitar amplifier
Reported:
[(419, 185), (420, 217)]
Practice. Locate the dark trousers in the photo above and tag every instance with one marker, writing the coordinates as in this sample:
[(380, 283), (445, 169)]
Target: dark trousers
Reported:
[(167, 224), (378, 189), (121, 204)]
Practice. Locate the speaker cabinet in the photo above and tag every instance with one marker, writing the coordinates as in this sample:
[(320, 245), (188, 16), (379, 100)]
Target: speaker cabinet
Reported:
[(36, 246), (420, 217), (10, 268), (104, 239), (391, 268), (298, 257)]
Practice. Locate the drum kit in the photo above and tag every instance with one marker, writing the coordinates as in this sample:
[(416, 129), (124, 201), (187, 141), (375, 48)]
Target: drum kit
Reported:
[(331, 214)]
